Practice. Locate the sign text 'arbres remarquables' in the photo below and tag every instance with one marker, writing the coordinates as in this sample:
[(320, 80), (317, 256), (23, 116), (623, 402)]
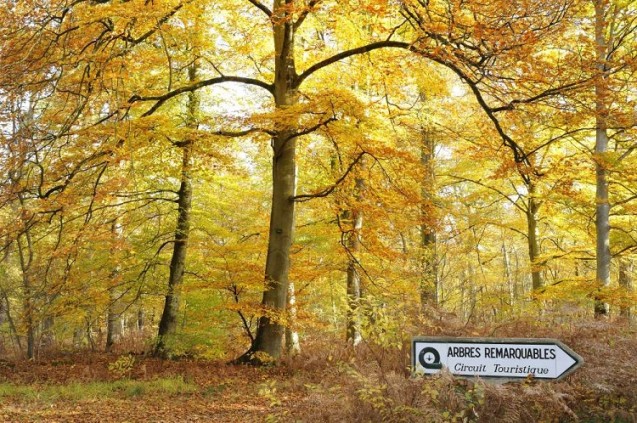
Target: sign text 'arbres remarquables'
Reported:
[(510, 358)]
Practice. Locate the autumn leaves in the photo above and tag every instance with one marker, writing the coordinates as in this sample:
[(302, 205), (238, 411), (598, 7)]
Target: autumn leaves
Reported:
[(104, 123)]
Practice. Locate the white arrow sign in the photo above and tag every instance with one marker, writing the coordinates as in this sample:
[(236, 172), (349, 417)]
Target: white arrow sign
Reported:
[(504, 358)]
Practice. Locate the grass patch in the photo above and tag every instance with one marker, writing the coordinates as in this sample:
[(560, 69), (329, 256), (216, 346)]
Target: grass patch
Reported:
[(214, 390), (97, 390)]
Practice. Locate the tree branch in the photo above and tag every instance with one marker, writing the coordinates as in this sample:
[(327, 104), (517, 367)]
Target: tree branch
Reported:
[(305, 12), (243, 133), (482, 184), (519, 155), (261, 7), (235, 295), (547, 93), (151, 31), (327, 191), (312, 128), (69, 178), (161, 99), (349, 53)]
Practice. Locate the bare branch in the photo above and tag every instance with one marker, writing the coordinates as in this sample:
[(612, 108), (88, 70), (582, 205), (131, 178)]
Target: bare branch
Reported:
[(151, 31), (312, 128), (74, 172), (246, 326), (547, 93), (327, 191), (482, 184)]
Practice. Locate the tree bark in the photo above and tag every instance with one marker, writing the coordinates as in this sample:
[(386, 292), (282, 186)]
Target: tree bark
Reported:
[(533, 239), (602, 209), (270, 329), (292, 342), (114, 313), (25, 254), (12, 325), (354, 288), (268, 341), (169, 318), (626, 268), (508, 278), (429, 275), (141, 320)]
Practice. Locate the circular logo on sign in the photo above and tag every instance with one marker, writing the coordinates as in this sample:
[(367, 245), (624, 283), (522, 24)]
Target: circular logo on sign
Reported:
[(429, 358)]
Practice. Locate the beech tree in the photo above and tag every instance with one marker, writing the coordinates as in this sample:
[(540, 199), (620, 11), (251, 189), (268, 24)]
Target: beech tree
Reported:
[(614, 32), (284, 20)]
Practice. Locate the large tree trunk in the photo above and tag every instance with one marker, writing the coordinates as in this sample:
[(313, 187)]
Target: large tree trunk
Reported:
[(271, 327), (169, 318), (602, 209), (268, 341)]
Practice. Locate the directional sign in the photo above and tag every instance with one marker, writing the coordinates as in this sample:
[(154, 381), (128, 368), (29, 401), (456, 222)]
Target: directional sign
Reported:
[(503, 358)]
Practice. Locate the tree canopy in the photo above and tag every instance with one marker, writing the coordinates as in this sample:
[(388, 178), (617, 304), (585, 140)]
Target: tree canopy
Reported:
[(227, 178)]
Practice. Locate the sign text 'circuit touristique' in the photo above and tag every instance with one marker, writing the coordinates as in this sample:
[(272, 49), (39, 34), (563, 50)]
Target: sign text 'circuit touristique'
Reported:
[(510, 358)]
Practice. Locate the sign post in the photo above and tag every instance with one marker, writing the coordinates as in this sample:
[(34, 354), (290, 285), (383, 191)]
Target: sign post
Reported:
[(504, 358)]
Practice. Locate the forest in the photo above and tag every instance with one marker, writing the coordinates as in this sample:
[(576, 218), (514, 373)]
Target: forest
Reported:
[(204, 199)]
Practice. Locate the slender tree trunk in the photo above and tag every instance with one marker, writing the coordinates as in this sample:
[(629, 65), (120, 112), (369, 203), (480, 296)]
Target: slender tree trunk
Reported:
[(471, 281), (88, 329), (508, 277), (113, 321), (3, 312), (519, 280), (292, 342), (168, 322), (140, 321), (46, 337), (626, 269), (4, 298), (26, 258), (464, 276), (12, 325), (533, 238), (114, 314), (270, 329), (28, 317), (602, 209), (429, 276), (354, 288)]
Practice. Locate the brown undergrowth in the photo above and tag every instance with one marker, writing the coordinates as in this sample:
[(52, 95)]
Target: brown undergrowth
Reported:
[(328, 382)]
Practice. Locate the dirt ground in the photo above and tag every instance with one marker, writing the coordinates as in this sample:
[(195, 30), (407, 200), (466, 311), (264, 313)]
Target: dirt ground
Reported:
[(223, 393)]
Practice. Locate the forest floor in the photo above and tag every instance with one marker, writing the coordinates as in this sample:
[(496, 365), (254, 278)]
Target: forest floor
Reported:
[(329, 383)]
